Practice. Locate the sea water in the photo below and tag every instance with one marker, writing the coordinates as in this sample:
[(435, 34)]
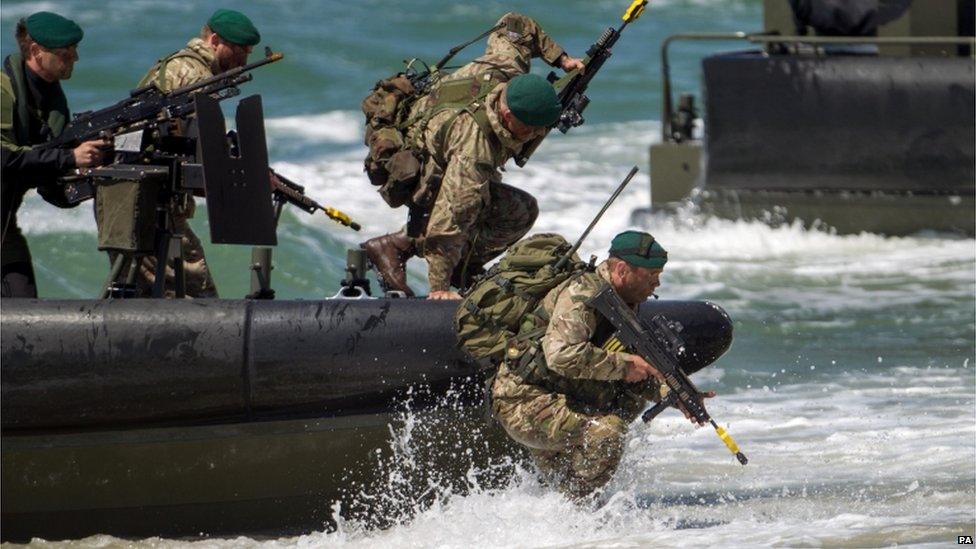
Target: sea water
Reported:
[(850, 383)]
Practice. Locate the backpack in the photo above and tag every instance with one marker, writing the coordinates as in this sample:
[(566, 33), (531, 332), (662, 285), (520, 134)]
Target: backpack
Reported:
[(390, 164), (393, 164), (494, 308)]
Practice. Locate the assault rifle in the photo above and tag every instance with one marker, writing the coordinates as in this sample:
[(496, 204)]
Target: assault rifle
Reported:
[(286, 190), (660, 345), (148, 106), (571, 88)]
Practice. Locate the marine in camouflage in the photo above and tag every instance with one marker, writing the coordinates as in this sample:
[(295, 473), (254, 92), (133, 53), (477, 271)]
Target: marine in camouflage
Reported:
[(474, 216), (188, 66), (571, 407)]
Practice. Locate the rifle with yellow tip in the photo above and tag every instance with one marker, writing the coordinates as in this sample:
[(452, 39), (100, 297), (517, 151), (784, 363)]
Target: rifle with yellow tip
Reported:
[(571, 88), (658, 343), (286, 190)]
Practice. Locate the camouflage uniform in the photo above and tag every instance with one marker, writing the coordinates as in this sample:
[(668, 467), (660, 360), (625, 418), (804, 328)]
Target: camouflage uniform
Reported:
[(475, 216), (185, 67), (569, 404)]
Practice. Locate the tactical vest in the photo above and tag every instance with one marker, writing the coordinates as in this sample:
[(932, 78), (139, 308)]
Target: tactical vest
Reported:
[(395, 162), (160, 68), (526, 359), (462, 95)]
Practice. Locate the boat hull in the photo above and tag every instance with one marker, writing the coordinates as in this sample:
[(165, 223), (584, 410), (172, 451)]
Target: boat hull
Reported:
[(180, 418), (853, 143)]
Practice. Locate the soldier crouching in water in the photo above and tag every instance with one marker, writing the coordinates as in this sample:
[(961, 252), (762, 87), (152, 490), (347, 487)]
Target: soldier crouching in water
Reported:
[(474, 217), (224, 43), (571, 403), (34, 110)]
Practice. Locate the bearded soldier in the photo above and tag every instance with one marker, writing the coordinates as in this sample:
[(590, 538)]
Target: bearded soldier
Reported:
[(570, 397), (224, 43), (473, 216), (34, 110)]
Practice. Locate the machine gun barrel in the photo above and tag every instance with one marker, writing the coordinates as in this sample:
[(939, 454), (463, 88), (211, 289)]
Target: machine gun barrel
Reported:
[(231, 74), (660, 345), (148, 106), (286, 190)]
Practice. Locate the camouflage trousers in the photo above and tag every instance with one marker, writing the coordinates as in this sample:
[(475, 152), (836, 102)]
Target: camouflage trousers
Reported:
[(510, 214), (196, 273), (574, 450)]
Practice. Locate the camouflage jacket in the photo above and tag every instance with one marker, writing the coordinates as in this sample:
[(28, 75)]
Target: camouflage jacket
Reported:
[(573, 361), (467, 160), (188, 66)]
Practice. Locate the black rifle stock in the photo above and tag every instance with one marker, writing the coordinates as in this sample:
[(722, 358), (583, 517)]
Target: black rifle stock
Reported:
[(147, 106), (571, 88), (660, 345)]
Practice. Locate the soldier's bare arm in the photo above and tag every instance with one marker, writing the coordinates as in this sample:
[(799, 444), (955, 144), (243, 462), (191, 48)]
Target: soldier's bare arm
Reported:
[(571, 63), (92, 153), (639, 369)]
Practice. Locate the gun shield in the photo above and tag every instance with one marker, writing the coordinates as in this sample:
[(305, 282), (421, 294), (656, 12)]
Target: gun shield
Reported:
[(238, 187)]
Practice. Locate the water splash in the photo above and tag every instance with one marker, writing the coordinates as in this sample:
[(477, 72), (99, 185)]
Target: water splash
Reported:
[(435, 454)]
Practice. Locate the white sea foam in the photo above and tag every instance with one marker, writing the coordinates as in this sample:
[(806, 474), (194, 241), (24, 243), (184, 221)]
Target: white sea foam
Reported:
[(343, 127), (38, 217)]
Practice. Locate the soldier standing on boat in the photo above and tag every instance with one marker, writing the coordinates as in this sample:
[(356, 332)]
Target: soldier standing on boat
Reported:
[(569, 393), (34, 110), (224, 43), (462, 215)]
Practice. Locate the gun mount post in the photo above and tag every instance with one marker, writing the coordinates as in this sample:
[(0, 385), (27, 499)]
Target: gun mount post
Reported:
[(355, 285), (261, 266)]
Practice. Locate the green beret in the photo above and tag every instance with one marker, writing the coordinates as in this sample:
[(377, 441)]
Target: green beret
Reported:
[(52, 30), (533, 100), (235, 27), (639, 249)]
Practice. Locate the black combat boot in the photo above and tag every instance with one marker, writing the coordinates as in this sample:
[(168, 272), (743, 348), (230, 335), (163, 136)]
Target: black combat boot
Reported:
[(388, 254)]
